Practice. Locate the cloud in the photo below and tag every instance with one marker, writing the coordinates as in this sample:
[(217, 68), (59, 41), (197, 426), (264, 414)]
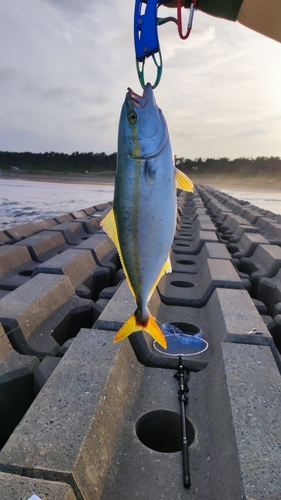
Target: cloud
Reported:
[(77, 6), (7, 74), (67, 64)]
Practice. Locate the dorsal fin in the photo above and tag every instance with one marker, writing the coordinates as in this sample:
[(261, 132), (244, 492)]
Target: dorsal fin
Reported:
[(183, 181)]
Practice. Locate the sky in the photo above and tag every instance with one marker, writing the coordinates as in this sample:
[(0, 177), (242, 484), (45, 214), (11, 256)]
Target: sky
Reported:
[(65, 66)]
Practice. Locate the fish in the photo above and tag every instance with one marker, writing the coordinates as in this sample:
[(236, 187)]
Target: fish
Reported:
[(142, 221)]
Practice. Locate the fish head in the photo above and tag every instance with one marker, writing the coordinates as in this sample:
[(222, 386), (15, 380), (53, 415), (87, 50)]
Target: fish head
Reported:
[(142, 128)]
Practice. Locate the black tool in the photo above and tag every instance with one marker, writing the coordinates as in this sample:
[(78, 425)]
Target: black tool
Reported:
[(182, 376)]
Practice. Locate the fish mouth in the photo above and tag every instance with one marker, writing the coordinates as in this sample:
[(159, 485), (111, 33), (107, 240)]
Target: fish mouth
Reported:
[(140, 101)]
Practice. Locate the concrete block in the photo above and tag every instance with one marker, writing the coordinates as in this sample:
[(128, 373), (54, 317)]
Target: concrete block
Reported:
[(13, 257), (265, 262), (4, 238), (101, 207), (181, 264), (60, 219), (247, 245), (232, 317), (138, 470), (42, 314), (14, 487), (44, 224), (44, 245), (269, 292), (188, 319), (16, 266), (240, 230), (86, 276), (73, 232), (43, 371), (195, 246), (103, 250), (118, 310), (64, 348), (232, 222), (189, 229), (79, 214), (195, 290), (272, 232), (69, 434), (16, 386), (91, 224), (20, 232), (261, 222), (89, 210), (246, 430)]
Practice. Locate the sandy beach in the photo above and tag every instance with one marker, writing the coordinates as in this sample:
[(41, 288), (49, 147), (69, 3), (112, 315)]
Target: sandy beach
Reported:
[(217, 181)]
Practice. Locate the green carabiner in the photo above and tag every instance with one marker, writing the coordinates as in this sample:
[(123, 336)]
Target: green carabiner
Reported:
[(140, 70)]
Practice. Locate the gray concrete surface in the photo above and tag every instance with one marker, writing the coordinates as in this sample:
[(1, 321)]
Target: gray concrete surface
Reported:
[(93, 399), (44, 245), (85, 275), (81, 407), (14, 487), (39, 315)]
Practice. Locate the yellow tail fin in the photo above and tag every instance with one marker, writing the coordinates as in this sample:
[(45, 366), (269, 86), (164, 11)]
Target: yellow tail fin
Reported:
[(150, 327)]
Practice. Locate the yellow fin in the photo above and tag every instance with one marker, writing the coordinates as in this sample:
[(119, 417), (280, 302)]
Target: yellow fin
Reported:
[(183, 181), (129, 327), (109, 225), (167, 268), (150, 327)]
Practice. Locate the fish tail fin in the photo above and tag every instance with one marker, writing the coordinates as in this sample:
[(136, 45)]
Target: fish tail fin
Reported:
[(133, 325)]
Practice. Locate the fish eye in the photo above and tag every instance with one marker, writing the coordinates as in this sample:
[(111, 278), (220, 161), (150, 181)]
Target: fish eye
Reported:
[(132, 118)]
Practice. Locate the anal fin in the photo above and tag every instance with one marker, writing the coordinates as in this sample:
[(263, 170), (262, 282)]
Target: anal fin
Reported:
[(109, 225)]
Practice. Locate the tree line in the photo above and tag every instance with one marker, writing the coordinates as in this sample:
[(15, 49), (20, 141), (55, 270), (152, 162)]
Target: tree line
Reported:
[(94, 162), (58, 162)]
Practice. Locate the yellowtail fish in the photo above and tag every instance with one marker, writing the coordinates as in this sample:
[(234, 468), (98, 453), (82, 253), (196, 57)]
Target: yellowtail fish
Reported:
[(143, 219)]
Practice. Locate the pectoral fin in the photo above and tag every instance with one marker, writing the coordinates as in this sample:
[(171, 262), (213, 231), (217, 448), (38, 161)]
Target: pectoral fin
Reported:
[(183, 181), (109, 225)]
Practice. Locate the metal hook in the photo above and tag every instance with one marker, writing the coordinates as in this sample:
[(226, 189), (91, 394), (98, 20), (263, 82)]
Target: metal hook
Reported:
[(140, 70), (190, 19)]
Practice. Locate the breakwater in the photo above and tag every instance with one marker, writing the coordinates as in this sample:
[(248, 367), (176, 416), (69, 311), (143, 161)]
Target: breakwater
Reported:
[(82, 418)]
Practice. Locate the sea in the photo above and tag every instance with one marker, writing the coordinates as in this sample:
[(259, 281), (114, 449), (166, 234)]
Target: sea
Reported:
[(23, 201)]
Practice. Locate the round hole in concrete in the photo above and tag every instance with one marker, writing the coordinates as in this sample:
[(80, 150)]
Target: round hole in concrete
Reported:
[(186, 262), (186, 327), (160, 430), (182, 284)]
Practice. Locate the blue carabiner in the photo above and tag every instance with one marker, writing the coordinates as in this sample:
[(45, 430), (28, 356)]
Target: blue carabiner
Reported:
[(145, 28), (146, 37)]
